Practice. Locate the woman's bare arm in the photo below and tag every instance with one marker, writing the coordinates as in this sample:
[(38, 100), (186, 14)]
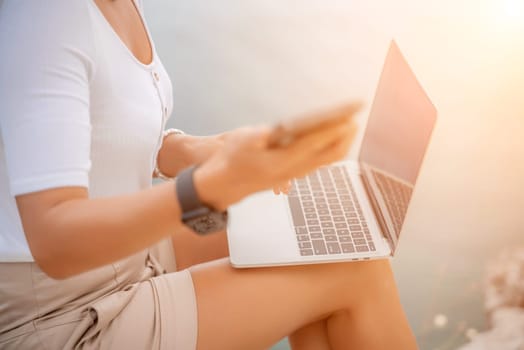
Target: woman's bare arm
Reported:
[(68, 233), (180, 151)]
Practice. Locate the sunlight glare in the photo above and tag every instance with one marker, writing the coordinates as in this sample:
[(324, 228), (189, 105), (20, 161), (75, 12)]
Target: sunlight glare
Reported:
[(514, 8)]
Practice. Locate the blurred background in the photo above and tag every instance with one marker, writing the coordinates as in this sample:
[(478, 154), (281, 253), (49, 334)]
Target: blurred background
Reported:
[(238, 62)]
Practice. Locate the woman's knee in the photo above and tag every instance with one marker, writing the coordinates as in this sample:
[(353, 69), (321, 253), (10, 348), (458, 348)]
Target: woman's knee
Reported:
[(355, 283)]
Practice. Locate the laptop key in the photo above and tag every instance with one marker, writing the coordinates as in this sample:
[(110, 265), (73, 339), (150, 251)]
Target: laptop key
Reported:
[(328, 231), (333, 248), (371, 246), (314, 228), (301, 230), (357, 234), (355, 228), (362, 248), (327, 224), (304, 244), (296, 211), (342, 232), (302, 238), (360, 241), (348, 248), (306, 252), (330, 238), (344, 238), (319, 247), (341, 225), (316, 235), (339, 219)]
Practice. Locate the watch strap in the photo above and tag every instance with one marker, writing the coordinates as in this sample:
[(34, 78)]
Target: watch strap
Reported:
[(199, 217), (187, 194)]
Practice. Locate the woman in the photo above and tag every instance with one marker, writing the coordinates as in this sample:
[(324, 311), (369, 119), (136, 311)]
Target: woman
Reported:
[(87, 254)]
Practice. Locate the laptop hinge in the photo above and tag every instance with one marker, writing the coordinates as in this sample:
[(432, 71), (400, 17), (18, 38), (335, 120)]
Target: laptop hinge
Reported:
[(378, 212)]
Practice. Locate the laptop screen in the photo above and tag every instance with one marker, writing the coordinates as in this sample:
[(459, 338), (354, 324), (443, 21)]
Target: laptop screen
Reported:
[(400, 122)]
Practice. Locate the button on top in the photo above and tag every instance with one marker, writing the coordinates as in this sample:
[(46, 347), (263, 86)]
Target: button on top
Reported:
[(156, 76)]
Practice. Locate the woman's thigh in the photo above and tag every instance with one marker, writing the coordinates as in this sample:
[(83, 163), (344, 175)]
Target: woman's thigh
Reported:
[(254, 308), (191, 249)]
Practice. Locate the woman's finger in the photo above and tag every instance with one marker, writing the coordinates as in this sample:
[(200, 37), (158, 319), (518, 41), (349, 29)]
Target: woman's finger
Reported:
[(283, 187), (309, 145), (335, 152), (302, 157)]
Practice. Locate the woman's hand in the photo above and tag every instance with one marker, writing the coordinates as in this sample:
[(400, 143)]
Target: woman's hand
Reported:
[(180, 151), (198, 149), (246, 164), (284, 187), (188, 150)]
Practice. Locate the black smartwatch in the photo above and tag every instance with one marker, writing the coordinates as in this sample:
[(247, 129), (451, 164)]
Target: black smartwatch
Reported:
[(196, 215)]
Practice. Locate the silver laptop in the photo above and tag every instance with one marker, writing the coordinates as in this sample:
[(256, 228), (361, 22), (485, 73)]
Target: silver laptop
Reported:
[(351, 210)]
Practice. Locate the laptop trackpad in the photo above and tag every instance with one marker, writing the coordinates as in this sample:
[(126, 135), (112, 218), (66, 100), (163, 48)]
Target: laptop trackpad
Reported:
[(260, 231)]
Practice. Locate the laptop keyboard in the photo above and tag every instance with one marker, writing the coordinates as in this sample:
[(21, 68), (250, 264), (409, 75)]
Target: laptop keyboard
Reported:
[(396, 195), (326, 214)]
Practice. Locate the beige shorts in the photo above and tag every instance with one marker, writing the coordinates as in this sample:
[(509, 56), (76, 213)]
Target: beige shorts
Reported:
[(137, 303)]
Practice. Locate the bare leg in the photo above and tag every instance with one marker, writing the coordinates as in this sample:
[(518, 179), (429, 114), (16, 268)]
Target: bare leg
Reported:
[(253, 309), (191, 249), (321, 307), (313, 336)]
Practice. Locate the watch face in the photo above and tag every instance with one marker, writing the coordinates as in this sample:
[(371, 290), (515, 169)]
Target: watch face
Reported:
[(211, 222)]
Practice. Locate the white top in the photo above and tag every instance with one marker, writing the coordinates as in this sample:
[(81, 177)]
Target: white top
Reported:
[(76, 108)]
